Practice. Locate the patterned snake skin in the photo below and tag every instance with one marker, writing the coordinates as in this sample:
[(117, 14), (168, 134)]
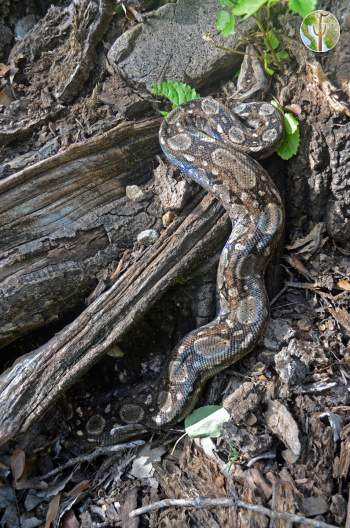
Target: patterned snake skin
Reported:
[(215, 147)]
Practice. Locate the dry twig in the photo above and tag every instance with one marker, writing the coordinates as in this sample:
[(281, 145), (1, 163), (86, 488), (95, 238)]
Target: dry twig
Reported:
[(226, 502), (105, 450)]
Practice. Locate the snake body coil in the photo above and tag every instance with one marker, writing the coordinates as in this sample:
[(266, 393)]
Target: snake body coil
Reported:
[(216, 148)]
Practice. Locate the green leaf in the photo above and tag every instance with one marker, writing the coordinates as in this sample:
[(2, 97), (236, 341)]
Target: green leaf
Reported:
[(282, 55), (267, 62), (291, 124), (272, 39), (233, 455), (206, 421), (226, 3), (177, 92), (225, 23), (247, 8), (302, 7), (291, 139)]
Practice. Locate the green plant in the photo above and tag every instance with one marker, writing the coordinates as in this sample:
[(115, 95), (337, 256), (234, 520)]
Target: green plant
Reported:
[(262, 11), (176, 92), (206, 421), (291, 139), (232, 457)]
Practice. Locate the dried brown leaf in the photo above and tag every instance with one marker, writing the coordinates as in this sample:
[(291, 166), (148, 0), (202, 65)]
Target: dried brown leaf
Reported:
[(344, 284), (4, 69), (79, 488), (5, 97), (309, 243), (18, 461), (52, 511), (299, 266), (343, 317)]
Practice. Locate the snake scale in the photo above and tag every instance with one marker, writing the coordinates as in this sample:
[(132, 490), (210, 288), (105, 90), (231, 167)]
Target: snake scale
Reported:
[(216, 147)]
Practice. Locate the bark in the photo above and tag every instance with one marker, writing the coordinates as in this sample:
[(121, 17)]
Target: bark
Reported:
[(65, 219)]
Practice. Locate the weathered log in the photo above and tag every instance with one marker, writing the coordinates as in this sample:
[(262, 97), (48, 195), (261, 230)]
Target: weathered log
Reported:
[(36, 380), (66, 218)]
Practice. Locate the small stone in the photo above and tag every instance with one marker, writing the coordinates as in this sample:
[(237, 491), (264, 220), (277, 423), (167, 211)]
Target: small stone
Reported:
[(251, 420), (168, 218), (148, 237), (134, 193)]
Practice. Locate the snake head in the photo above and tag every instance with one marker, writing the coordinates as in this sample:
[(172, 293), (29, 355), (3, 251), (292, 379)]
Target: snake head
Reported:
[(252, 83)]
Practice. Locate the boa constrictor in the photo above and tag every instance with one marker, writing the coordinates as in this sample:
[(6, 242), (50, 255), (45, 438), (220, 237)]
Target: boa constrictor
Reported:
[(216, 147)]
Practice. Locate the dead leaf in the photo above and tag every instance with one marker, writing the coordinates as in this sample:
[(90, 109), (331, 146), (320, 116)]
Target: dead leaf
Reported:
[(18, 460), (343, 284), (309, 243), (282, 424), (299, 266), (4, 69), (52, 511), (6, 97), (343, 317), (79, 488), (142, 466), (69, 520)]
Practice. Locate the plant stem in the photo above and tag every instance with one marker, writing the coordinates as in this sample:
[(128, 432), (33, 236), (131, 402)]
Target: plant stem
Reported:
[(264, 36)]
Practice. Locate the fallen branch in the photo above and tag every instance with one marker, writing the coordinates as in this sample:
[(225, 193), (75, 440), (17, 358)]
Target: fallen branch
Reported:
[(227, 502), (99, 451)]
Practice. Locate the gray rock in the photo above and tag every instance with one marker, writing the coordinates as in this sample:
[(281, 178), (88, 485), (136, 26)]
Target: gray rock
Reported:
[(148, 236), (134, 193), (170, 45)]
